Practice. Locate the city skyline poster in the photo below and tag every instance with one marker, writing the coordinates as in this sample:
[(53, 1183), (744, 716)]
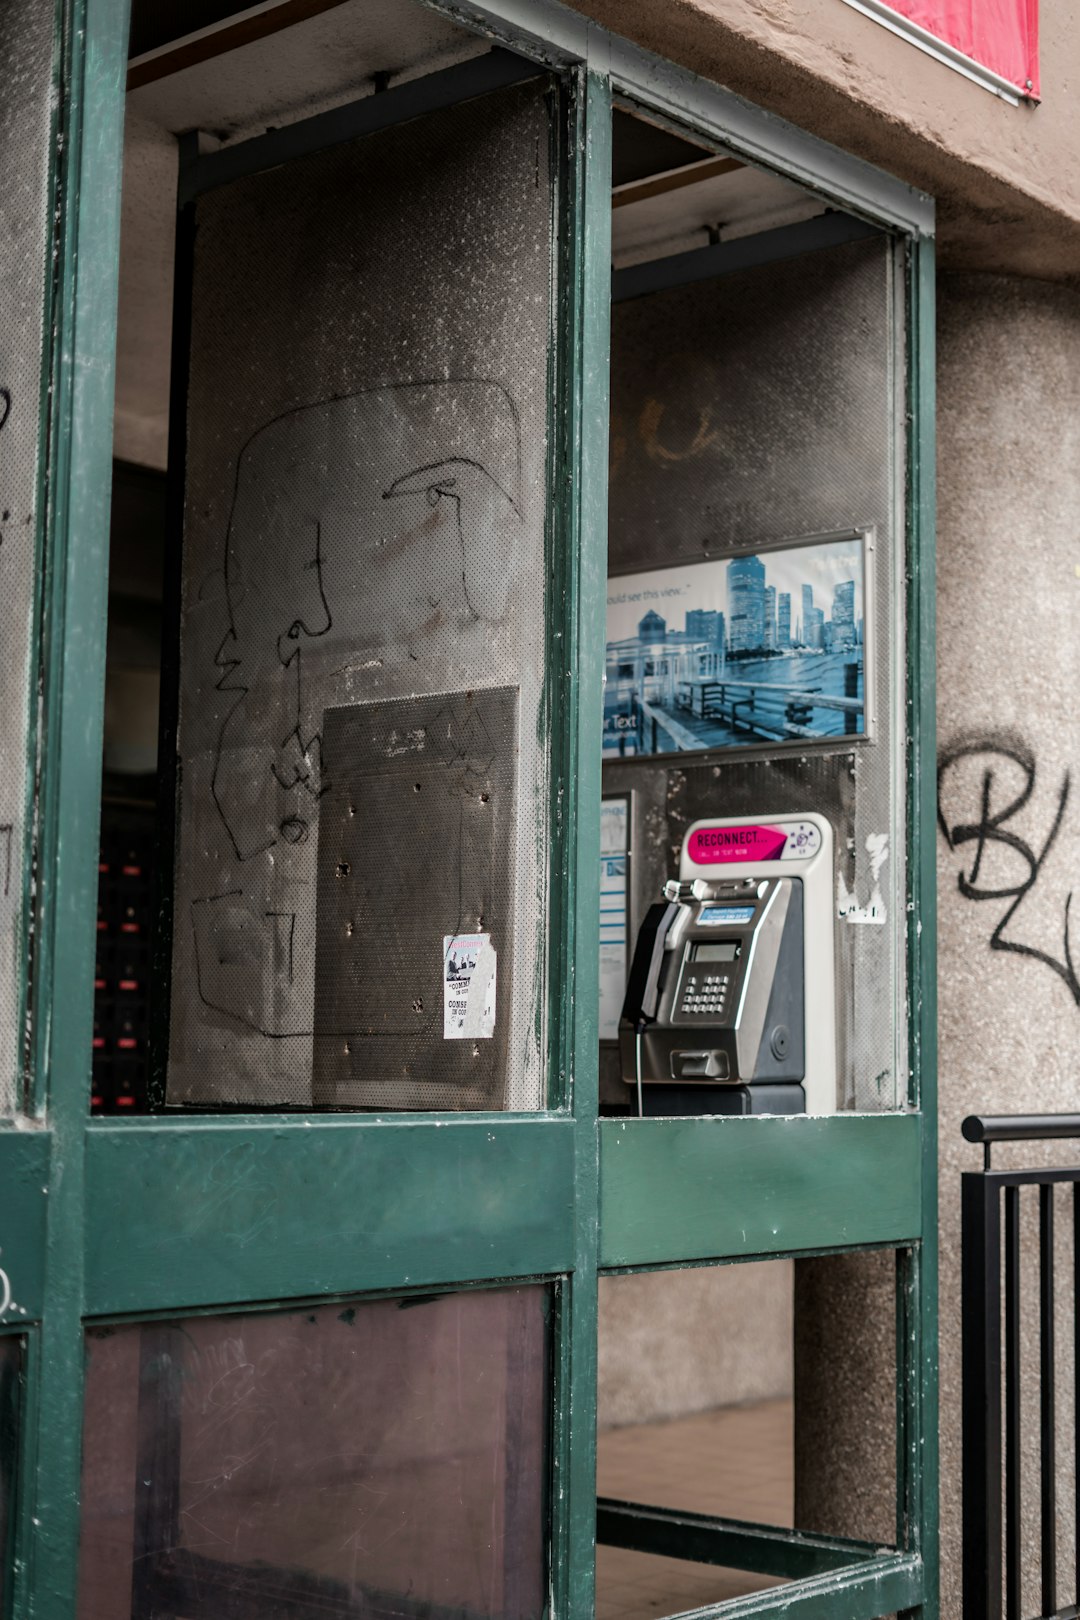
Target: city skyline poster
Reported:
[(742, 649)]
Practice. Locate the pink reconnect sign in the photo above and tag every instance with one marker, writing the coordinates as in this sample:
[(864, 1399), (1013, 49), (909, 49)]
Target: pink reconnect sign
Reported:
[(716, 844)]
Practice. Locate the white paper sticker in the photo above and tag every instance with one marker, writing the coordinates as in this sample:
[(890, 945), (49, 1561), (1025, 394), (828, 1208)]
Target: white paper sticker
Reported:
[(468, 987), (848, 908)]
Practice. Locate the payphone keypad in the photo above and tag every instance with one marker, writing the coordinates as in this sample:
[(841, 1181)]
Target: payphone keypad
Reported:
[(705, 995)]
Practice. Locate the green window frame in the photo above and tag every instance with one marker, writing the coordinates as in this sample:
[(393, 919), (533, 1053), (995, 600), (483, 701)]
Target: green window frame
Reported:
[(101, 1220)]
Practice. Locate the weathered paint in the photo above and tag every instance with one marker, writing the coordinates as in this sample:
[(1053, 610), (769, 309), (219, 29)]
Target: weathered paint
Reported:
[(728, 1543), (241, 1210), (24, 1177), (77, 540), (712, 1189), (891, 1584), (917, 1299), (581, 523)]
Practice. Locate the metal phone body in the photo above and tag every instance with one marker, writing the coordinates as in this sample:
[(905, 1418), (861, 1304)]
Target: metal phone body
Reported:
[(733, 984)]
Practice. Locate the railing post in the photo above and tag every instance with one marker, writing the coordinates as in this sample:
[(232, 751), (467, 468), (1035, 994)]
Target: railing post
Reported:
[(1047, 1424), (981, 1349)]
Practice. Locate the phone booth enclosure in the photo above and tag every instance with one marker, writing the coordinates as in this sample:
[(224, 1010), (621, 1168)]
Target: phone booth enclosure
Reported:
[(364, 533), (755, 415)]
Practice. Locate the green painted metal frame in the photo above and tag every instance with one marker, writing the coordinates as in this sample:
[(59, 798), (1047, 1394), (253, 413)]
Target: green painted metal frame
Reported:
[(93, 40), (556, 1191), (581, 499), (768, 1186)]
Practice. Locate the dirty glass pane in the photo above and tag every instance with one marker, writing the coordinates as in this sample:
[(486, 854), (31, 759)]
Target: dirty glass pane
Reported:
[(26, 48), (10, 1386), (361, 847), (757, 416), (375, 1460)]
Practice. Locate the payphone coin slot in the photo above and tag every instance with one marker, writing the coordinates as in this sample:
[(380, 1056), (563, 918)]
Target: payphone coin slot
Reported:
[(710, 1065)]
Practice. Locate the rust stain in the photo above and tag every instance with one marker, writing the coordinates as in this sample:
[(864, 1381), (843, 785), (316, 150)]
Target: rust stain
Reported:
[(652, 415)]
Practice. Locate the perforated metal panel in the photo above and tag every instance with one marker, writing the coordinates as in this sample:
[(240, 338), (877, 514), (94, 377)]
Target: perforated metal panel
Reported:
[(26, 50), (747, 410), (420, 804), (365, 518)]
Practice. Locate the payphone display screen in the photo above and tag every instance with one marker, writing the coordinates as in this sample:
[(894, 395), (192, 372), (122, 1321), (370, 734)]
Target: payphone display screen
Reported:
[(731, 916), (721, 950)]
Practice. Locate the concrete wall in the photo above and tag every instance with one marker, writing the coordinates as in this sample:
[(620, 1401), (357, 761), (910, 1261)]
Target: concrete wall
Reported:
[(1007, 179), (674, 1342)]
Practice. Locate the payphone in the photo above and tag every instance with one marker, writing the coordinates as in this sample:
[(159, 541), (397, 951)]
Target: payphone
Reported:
[(730, 1003)]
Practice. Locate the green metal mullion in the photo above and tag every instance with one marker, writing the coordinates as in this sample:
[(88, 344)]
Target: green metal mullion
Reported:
[(888, 1584), (32, 1082), (76, 583), (917, 1299), (703, 1538), (26, 1473), (581, 497)]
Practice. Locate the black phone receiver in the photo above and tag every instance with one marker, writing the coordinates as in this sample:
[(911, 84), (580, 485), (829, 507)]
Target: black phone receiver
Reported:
[(643, 985)]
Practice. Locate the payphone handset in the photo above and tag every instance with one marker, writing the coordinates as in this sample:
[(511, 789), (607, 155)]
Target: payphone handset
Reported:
[(732, 986)]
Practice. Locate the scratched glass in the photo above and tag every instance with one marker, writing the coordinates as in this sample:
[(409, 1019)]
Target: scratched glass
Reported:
[(26, 49), (378, 1459), (748, 412), (362, 782), (10, 1388)]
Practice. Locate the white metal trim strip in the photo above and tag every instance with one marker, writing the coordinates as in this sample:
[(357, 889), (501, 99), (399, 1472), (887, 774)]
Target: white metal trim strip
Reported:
[(941, 50)]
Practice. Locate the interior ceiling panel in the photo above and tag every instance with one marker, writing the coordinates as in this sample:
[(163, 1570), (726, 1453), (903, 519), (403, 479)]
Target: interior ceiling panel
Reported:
[(649, 221), (670, 194), (158, 22), (329, 57)]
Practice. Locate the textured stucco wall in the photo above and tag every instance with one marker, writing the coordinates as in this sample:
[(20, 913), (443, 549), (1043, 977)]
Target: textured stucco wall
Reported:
[(1008, 721), (1008, 675), (1007, 179)]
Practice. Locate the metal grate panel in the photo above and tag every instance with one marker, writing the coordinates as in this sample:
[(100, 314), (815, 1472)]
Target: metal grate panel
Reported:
[(416, 849), (365, 524)]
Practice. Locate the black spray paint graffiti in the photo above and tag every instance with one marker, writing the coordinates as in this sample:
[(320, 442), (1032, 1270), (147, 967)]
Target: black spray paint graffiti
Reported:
[(985, 786)]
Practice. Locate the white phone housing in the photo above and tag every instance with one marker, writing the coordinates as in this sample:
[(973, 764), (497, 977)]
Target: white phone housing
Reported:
[(740, 847)]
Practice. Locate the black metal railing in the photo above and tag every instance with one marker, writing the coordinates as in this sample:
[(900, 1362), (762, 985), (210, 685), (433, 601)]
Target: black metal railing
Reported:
[(993, 1372)]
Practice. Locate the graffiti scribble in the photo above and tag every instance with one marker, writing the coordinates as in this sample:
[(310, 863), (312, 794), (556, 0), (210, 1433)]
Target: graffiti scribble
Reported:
[(1003, 774)]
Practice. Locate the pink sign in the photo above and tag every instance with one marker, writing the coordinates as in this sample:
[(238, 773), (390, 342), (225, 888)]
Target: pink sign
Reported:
[(712, 844)]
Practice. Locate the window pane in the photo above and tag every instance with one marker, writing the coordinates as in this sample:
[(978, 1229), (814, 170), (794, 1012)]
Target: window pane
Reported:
[(378, 1459), (756, 536), (26, 48), (362, 799)]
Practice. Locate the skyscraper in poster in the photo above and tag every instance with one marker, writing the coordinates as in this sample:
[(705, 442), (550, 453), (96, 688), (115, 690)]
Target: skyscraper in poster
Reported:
[(843, 616), (783, 620), (746, 604), (770, 618), (807, 610)]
